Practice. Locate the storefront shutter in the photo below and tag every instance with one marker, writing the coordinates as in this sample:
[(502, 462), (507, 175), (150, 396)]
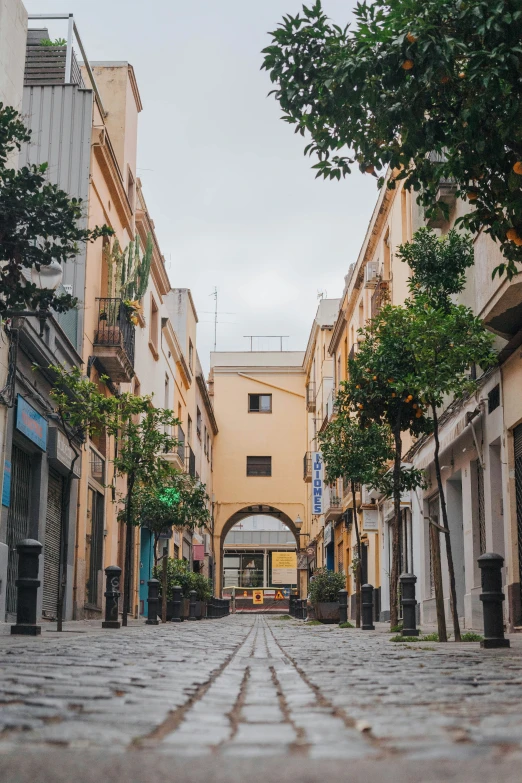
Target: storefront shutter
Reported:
[(51, 552), (17, 519)]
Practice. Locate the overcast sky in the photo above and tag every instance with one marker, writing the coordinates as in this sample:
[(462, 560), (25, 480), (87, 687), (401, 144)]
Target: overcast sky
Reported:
[(234, 201)]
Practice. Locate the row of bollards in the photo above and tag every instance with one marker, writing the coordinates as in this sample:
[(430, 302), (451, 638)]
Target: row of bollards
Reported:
[(27, 585), (298, 607)]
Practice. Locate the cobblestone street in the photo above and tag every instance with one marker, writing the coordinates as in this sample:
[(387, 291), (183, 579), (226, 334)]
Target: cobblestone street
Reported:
[(263, 694)]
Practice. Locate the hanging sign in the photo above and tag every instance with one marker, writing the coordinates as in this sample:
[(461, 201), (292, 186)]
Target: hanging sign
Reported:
[(30, 423), (370, 519), (257, 596), (328, 534), (317, 482)]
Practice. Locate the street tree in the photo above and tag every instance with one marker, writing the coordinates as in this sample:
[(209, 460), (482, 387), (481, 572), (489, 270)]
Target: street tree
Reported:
[(356, 454), (39, 225), (384, 356), (423, 90), (81, 408), (170, 500), (143, 438), (445, 340)]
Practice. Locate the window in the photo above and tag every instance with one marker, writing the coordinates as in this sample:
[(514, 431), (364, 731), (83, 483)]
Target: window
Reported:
[(205, 440), (189, 430), (259, 466), (494, 398), (191, 355), (154, 323), (198, 423), (260, 403)]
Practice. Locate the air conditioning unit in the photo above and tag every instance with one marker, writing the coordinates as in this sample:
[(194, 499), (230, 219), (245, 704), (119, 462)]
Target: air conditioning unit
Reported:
[(371, 272)]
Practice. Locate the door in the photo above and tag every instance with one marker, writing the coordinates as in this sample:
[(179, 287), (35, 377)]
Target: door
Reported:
[(94, 548), (17, 518), (52, 545)]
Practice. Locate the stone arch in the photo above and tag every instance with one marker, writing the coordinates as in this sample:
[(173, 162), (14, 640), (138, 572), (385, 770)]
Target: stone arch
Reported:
[(226, 515)]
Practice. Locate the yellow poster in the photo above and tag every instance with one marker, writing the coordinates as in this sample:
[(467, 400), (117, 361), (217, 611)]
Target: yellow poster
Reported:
[(257, 596), (284, 559)]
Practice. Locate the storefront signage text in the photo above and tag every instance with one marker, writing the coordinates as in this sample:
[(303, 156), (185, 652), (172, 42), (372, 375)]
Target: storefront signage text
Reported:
[(317, 482), (30, 423)]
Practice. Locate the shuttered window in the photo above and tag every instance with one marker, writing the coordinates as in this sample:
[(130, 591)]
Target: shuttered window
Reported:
[(259, 466)]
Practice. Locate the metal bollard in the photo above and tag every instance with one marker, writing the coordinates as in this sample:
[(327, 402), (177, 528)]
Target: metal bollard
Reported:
[(409, 602), (492, 597), (367, 608), (153, 602), (210, 608), (112, 594), (27, 586), (176, 604), (192, 605), (343, 606)]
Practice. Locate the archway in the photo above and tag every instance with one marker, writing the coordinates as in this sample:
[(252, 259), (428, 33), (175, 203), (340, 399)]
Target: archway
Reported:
[(226, 516)]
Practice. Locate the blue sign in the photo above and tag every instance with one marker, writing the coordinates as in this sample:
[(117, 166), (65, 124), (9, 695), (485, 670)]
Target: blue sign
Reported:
[(30, 423), (6, 486), (317, 482)]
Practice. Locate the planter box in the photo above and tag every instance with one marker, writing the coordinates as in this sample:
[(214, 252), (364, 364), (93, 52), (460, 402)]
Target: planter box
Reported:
[(327, 612)]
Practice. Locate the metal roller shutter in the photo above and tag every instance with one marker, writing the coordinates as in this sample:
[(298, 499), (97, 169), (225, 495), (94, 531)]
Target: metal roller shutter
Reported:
[(51, 575)]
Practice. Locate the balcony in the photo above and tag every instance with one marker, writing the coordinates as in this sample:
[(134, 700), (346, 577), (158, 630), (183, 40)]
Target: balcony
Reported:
[(307, 467), (446, 194), (114, 340), (333, 507), (46, 65), (310, 397), (177, 457), (380, 296)]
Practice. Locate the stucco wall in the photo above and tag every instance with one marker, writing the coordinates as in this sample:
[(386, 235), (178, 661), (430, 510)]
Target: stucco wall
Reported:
[(13, 35)]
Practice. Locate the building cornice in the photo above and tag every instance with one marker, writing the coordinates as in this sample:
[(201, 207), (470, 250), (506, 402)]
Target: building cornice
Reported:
[(177, 353), (206, 401), (104, 154)]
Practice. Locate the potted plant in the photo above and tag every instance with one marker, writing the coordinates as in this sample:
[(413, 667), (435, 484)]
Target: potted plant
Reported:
[(178, 573), (203, 587), (324, 594)]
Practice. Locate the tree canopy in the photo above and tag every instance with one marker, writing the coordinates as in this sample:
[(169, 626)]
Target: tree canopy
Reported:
[(427, 89)]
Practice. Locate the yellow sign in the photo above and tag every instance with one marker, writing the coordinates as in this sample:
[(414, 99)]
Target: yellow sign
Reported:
[(279, 596), (257, 596), (284, 559)]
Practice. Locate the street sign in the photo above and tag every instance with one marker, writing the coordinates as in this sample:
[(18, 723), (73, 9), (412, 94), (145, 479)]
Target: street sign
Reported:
[(257, 596), (279, 596)]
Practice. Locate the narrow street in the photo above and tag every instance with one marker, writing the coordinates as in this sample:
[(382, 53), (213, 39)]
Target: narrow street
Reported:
[(276, 697)]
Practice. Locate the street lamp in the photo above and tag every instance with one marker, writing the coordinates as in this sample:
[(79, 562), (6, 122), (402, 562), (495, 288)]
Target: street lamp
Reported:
[(298, 525)]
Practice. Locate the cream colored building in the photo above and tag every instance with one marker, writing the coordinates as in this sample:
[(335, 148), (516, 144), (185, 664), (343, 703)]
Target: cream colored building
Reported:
[(259, 403)]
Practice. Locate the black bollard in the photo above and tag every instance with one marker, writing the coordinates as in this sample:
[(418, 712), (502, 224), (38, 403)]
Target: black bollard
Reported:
[(409, 621), (492, 597), (291, 606), (192, 605), (27, 588), (367, 608), (343, 606), (210, 608), (112, 594), (176, 604), (153, 602)]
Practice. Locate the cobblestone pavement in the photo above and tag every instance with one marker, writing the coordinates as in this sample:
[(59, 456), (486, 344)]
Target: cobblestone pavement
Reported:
[(217, 695)]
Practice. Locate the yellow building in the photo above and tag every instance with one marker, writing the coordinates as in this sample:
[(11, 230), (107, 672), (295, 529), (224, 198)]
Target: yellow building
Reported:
[(258, 400)]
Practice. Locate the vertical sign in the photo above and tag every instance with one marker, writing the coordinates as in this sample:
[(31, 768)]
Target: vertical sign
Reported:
[(6, 488), (317, 482)]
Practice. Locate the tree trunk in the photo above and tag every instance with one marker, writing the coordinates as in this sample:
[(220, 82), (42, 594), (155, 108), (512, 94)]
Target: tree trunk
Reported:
[(164, 585), (358, 570), (394, 573), (128, 550), (449, 553), (437, 579)]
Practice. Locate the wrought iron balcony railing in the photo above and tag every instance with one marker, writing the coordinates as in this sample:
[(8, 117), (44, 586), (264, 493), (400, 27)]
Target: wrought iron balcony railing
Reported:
[(114, 339), (310, 397)]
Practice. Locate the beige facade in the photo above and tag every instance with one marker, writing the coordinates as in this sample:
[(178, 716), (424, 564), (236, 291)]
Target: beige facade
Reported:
[(258, 454)]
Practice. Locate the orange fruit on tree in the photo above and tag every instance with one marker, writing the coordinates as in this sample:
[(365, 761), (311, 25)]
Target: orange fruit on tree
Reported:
[(411, 38), (393, 394), (418, 415), (517, 168), (374, 377), (472, 195), (445, 80), (370, 169), (512, 234), (518, 241), (462, 75), (407, 65)]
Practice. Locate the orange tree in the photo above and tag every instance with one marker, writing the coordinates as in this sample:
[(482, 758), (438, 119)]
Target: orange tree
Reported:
[(429, 88), (356, 454), (384, 359)]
